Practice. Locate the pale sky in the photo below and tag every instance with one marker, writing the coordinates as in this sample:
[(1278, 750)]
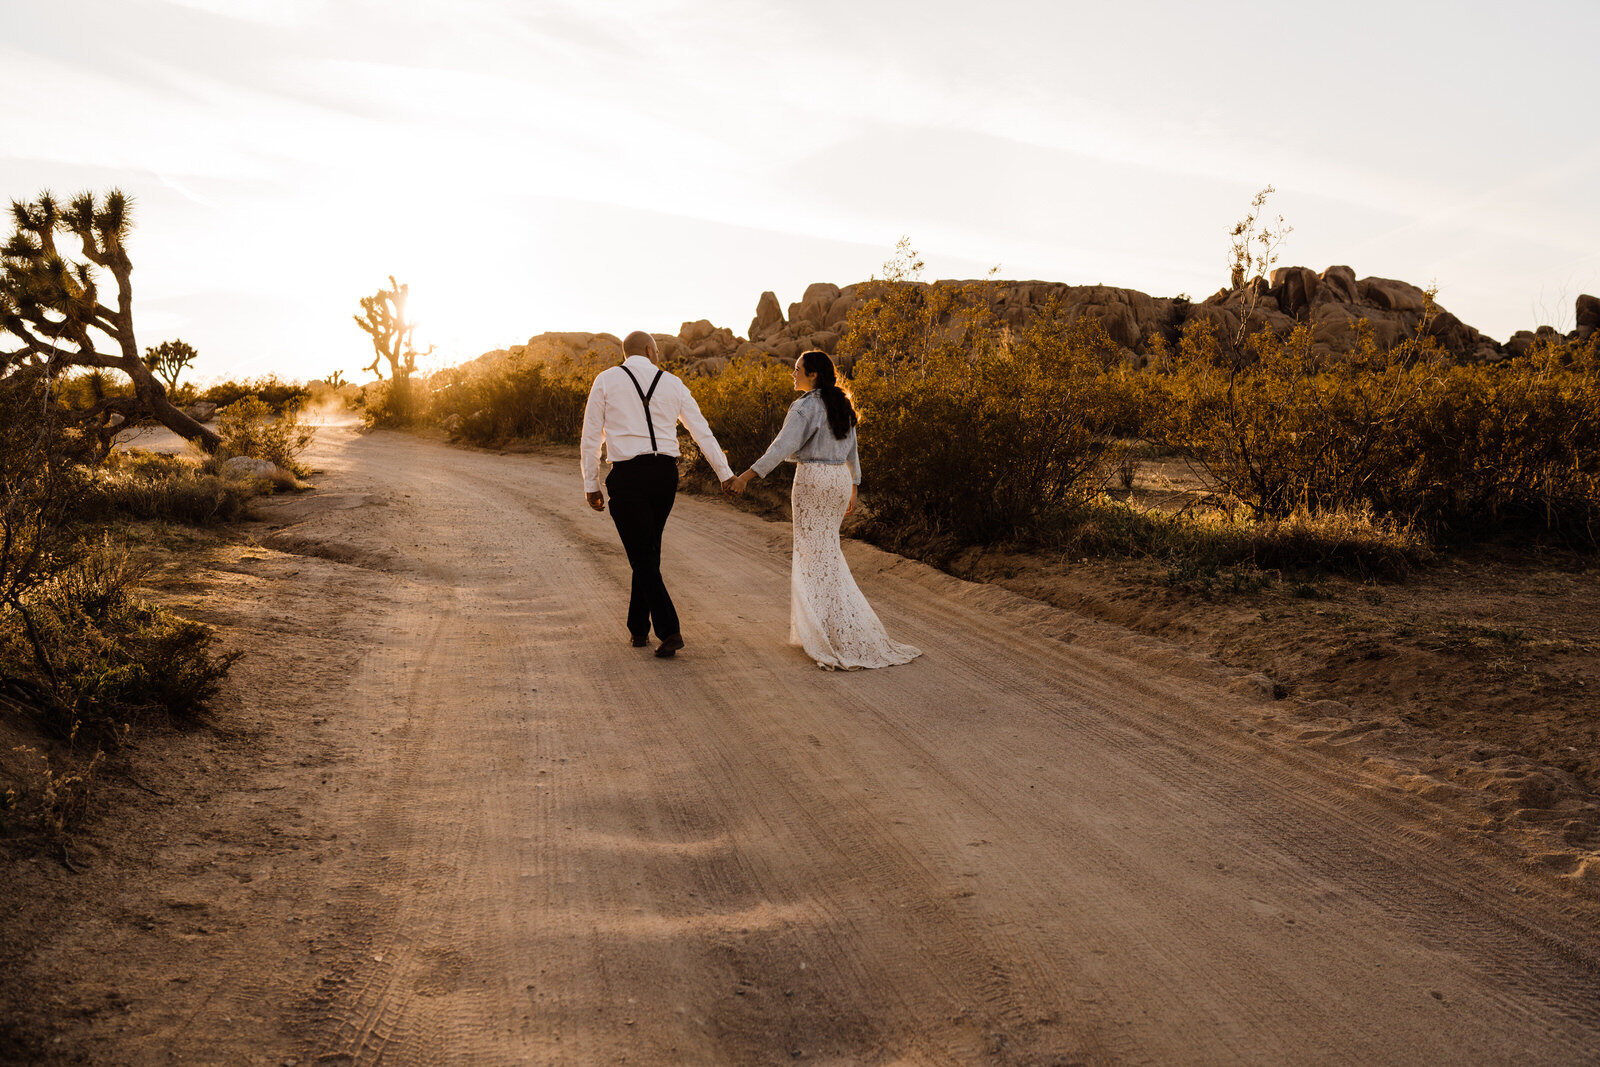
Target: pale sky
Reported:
[(610, 165)]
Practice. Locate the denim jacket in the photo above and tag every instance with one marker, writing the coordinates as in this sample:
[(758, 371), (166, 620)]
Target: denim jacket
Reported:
[(806, 437)]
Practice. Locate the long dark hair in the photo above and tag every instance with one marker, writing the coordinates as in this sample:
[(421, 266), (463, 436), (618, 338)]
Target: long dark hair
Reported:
[(841, 412)]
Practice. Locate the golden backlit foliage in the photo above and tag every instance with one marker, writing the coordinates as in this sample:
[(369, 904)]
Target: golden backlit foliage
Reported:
[(745, 406), (511, 400), (972, 433), (1459, 450)]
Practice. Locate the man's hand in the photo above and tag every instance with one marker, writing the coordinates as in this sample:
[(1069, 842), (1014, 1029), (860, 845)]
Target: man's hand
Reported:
[(596, 501), (727, 487)]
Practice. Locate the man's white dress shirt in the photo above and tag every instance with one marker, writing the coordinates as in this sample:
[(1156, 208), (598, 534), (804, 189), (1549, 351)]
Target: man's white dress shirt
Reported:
[(615, 416)]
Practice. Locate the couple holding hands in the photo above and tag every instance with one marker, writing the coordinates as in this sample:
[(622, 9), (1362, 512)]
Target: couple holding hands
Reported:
[(634, 410)]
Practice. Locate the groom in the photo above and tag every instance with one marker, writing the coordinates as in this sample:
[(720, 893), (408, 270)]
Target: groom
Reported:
[(635, 409)]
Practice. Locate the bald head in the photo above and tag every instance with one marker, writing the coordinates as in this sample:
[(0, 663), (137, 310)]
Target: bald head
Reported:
[(639, 343)]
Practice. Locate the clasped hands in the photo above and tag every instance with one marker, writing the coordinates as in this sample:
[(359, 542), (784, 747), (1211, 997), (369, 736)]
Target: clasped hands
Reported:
[(731, 488)]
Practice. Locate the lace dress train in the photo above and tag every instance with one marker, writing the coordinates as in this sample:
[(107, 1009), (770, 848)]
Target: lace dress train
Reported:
[(828, 615)]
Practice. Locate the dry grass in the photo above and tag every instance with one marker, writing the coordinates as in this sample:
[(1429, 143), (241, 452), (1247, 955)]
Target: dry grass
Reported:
[(154, 485)]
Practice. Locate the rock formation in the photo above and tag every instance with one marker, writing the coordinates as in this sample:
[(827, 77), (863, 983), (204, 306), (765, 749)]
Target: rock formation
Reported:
[(1333, 303)]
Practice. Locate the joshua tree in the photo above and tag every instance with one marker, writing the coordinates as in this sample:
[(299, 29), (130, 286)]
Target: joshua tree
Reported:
[(170, 359), (52, 304), (383, 319)]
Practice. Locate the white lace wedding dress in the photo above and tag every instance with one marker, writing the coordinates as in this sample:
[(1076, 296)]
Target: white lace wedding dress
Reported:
[(828, 616)]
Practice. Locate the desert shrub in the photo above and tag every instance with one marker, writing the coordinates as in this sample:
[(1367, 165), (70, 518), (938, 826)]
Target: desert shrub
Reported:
[(1349, 542), (1455, 450), (79, 652), (1507, 448), (902, 323), (745, 406), (390, 404), (516, 399), (991, 438), (279, 396), (250, 427), (39, 453), (110, 660), (1287, 428), (154, 485)]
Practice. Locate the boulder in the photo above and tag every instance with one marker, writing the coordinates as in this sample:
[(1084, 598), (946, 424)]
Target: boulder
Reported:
[(1520, 343), (843, 304), (719, 342), (1338, 283), (1224, 323), (709, 367), (562, 347), (823, 340), (769, 316), (251, 467), (1390, 295), (1118, 321), (201, 411), (1588, 313), (669, 350), (692, 333), (813, 306), (1296, 288)]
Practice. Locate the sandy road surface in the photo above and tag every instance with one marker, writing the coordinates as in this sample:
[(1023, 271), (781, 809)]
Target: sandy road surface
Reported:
[(515, 839)]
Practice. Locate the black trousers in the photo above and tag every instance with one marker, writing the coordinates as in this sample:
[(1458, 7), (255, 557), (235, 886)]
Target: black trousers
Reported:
[(642, 490)]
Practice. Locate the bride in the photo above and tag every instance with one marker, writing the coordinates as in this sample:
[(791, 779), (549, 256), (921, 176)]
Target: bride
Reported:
[(828, 616)]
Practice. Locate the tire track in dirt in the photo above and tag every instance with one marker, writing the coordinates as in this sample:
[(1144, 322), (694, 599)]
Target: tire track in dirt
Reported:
[(1025, 847)]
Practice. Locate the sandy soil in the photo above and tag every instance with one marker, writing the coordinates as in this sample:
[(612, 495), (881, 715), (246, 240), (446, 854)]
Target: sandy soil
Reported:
[(448, 815)]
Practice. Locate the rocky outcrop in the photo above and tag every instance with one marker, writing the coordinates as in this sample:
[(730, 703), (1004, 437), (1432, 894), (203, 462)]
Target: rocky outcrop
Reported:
[(769, 315), (1334, 303)]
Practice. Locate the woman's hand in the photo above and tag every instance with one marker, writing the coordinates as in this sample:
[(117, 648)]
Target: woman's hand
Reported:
[(737, 487), (851, 509)]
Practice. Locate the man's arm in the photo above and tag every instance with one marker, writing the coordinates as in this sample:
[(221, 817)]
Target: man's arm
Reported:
[(594, 434), (689, 414)]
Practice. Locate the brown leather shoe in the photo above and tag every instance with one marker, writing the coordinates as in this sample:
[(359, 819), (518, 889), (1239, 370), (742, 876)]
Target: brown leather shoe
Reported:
[(640, 640), (669, 646)]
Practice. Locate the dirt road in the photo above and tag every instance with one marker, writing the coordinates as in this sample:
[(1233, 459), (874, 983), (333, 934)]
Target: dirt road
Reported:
[(486, 830)]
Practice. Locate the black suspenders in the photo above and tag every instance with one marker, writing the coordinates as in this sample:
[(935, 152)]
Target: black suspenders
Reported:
[(644, 397)]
